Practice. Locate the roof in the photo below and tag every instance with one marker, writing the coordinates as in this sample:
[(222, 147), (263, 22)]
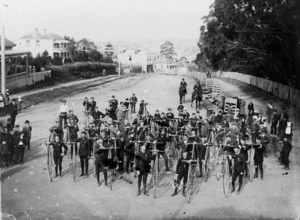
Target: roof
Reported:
[(30, 36), (47, 36), (51, 36), (8, 43), (12, 53)]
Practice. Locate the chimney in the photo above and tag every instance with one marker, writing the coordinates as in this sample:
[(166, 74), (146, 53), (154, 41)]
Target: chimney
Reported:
[(45, 31), (36, 33)]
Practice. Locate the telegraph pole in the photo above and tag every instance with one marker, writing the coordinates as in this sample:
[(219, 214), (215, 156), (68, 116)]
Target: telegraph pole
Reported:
[(3, 73)]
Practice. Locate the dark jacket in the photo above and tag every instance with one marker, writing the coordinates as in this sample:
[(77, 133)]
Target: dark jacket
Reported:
[(84, 147), (170, 115), (13, 108), (259, 152), (287, 147), (239, 162), (182, 166), (142, 162), (73, 132), (57, 148), (92, 106)]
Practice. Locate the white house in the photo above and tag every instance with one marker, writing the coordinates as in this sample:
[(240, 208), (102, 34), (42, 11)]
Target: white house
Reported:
[(146, 59), (38, 43)]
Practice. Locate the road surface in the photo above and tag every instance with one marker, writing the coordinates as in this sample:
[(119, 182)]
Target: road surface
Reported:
[(28, 194)]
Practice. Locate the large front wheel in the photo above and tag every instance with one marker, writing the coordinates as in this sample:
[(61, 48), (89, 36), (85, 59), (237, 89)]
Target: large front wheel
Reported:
[(226, 177)]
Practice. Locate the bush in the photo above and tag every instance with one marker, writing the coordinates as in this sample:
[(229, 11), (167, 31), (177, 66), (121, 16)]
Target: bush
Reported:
[(68, 60), (79, 70)]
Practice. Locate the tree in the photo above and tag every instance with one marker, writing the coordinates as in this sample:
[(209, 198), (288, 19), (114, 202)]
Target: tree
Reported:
[(167, 50), (86, 45), (109, 49), (72, 46), (257, 37)]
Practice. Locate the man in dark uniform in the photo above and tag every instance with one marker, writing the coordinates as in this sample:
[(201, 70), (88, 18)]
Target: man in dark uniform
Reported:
[(84, 153), (244, 150), (73, 136), (156, 115), (275, 120), (238, 168), (133, 101), (161, 143), (71, 115), (58, 154), (199, 151), (182, 170), (284, 154), (113, 105), (86, 104), (129, 154), (92, 105), (101, 159), (169, 114), (97, 115), (142, 166), (13, 111), (259, 156), (183, 84)]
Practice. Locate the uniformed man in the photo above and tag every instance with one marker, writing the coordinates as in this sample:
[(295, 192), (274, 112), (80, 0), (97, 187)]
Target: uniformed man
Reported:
[(142, 166), (71, 115), (284, 154), (161, 143), (184, 85), (58, 154), (101, 159), (73, 129), (185, 114), (133, 101), (169, 114), (259, 156), (84, 153), (86, 105), (156, 115), (238, 168), (97, 116), (182, 170), (129, 153), (92, 105)]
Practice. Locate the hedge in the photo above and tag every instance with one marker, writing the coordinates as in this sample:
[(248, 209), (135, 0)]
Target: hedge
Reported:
[(85, 70)]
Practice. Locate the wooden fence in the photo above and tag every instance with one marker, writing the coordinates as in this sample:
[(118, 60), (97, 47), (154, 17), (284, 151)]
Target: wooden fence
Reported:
[(21, 80), (279, 90)]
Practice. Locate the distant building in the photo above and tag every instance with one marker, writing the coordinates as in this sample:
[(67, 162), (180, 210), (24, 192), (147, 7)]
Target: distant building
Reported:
[(145, 58), (37, 43), (165, 65)]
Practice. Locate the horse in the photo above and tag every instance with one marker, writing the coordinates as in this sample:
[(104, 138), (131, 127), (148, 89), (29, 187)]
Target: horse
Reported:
[(182, 93), (197, 96)]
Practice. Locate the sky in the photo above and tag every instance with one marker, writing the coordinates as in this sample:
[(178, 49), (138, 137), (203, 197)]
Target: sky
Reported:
[(105, 20)]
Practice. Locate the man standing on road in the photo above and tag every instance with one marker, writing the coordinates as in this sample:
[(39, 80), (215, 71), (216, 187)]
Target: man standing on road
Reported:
[(142, 166), (182, 170), (84, 152), (274, 124), (58, 154), (259, 157), (161, 143), (63, 111), (13, 111), (27, 133), (133, 101), (184, 85), (285, 153), (238, 168)]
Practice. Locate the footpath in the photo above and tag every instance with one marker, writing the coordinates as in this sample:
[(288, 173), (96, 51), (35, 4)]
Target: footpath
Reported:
[(38, 96)]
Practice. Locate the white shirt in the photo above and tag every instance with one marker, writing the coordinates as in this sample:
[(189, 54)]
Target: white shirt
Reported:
[(63, 108)]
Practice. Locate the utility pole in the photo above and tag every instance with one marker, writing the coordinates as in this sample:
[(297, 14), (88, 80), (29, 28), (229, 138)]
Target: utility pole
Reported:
[(3, 73)]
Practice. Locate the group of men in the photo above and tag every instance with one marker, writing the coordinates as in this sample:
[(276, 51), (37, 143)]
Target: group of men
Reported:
[(13, 142)]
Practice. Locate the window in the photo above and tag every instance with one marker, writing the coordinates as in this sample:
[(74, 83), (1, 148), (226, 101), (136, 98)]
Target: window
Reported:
[(27, 43), (37, 43)]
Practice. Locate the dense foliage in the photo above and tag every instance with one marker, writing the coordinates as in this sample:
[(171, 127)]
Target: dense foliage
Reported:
[(257, 37), (167, 50)]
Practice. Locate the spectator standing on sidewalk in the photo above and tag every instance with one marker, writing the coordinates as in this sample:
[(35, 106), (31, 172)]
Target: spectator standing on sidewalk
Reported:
[(274, 123)]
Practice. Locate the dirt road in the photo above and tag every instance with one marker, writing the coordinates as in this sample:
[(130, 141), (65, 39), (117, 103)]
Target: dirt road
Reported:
[(28, 194)]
